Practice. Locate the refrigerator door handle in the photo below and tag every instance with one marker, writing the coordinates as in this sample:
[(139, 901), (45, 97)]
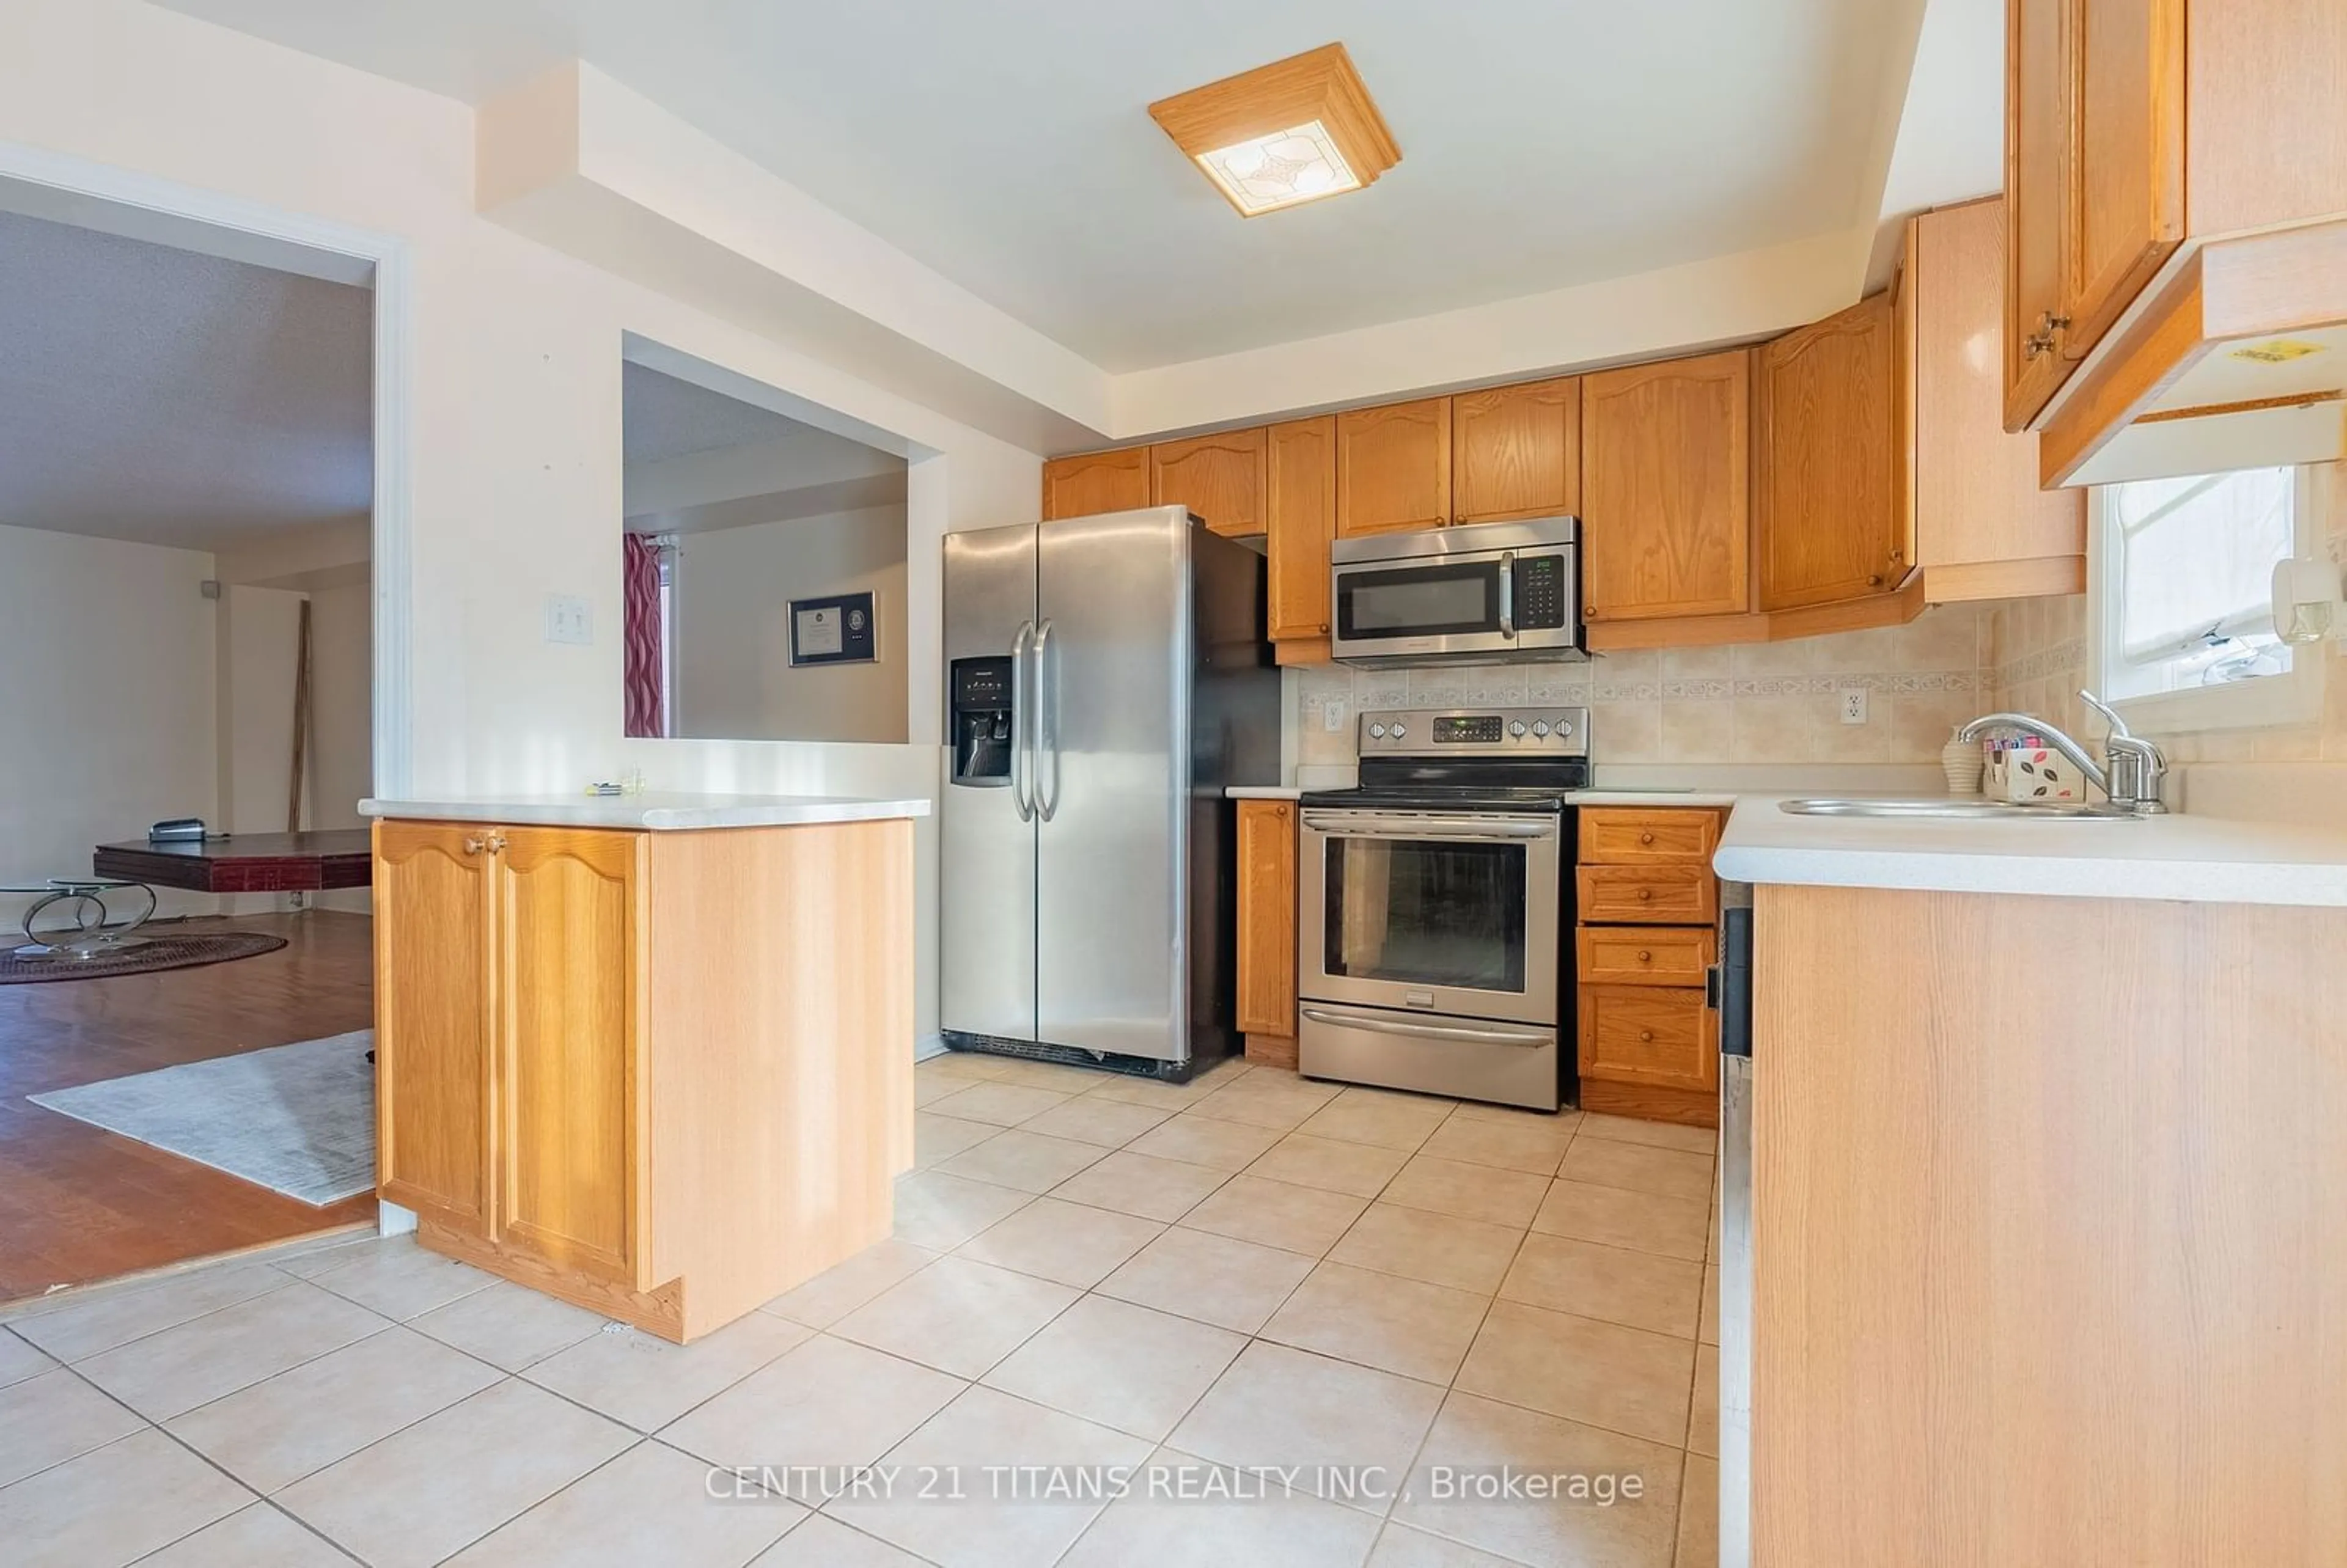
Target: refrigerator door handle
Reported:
[(1047, 720), (1023, 720)]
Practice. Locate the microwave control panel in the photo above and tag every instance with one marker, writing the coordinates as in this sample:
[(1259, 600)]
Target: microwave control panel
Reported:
[(1539, 594)]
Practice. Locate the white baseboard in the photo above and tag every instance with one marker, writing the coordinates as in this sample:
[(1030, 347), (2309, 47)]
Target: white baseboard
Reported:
[(928, 1046), (390, 1219)]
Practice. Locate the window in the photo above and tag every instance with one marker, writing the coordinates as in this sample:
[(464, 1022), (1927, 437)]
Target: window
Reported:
[(2183, 600)]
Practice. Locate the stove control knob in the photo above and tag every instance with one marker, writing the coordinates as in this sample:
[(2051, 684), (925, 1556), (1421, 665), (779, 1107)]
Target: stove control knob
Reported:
[(1517, 728), (1540, 730), (1376, 731), (1399, 730), (1564, 726)]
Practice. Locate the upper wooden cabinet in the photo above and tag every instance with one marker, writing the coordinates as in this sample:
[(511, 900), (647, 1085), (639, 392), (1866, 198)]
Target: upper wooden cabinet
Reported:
[(1393, 467), (2035, 143), (1826, 505), (2125, 174), (1515, 452), (1093, 482), (1301, 456), (1219, 477), (1666, 499)]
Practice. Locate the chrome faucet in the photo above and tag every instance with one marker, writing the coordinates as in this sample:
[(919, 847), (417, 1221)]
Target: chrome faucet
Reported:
[(2132, 769)]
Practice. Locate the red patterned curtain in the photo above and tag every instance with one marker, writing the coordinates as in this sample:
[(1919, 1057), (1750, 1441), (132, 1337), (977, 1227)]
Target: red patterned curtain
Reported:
[(641, 589)]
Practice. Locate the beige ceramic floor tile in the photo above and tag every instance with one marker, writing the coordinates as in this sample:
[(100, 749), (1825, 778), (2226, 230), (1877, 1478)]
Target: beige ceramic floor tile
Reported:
[(1142, 1184), (1707, 1330), (509, 1326), (1401, 1547), (826, 1405), (1484, 1193), (937, 1138), (1202, 1141), (1703, 1410), (1096, 1119), (647, 1382), (1277, 1405), (1301, 1219), (1267, 1098), (281, 1430), (1624, 1379), (1515, 1115), (1072, 1243), (1440, 1249), (1029, 1162), (957, 1316), (88, 1324), (1534, 1147), (1699, 1515), (1004, 1105), (820, 1543), (1704, 1141), (1384, 1120), (1215, 1279), (1118, 1365), (400, 1279), (939, 1213), (423, 1493), (846, 1285), (928, 1089), (1403, 1326), (1061, 1077), (649, 1505), (1164, 1096), (1359, 1169), (50, 1418), (254, 1536), (113, 1505), (1165, 1530), (19, 1360), (1616, 1217), (1662, 1294), (984, 1428), (195, 1363), (1475, 1434), (1668, 1172), (964, 1065)]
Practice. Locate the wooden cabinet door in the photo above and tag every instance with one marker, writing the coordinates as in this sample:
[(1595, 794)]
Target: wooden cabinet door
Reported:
[(1093, 482), (433, 1004), (1641, 1034), (1266, 934), (1826, 506), (2125, 212), (2036, 136), (1219, 477), (1665, 497), (570, 1099), (1393, 467), (1515, 452), (1301, 460)]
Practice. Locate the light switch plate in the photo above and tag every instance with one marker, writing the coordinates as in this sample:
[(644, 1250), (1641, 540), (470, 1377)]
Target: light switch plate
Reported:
[(569, 620), (1853, 706)]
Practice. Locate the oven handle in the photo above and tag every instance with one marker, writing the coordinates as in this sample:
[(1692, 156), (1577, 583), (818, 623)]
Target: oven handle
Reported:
[(1351, 825), (1432, 1030)]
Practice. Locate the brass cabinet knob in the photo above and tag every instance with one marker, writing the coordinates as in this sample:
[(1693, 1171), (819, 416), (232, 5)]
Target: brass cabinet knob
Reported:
[(1645, 838), (1644, 956), (1874, 582), (474, 844), (1644, 894), (1646, 1036)]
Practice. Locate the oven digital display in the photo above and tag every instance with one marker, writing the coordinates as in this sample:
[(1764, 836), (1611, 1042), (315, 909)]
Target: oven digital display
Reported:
[(1482, 729)]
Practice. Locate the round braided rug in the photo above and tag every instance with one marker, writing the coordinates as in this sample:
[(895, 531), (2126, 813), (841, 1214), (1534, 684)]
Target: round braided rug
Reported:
[(157, 952)]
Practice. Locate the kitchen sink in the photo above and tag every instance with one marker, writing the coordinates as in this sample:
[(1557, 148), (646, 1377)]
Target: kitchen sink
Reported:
[(1953, 808)]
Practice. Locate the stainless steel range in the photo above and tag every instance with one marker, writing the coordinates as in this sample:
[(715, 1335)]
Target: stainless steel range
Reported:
[(1436, 903)]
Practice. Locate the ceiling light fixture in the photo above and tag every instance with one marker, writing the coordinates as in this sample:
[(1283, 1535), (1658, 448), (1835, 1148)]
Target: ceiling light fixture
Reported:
[(1293, 131)]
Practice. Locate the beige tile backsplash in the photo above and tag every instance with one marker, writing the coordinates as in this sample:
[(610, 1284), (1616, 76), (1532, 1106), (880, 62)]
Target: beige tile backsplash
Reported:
[(1761, 702)]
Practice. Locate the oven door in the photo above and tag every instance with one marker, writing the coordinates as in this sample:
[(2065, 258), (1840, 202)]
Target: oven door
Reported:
[(1432, 912)]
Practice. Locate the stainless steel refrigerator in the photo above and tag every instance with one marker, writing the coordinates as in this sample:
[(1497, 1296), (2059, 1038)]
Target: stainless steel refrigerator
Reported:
[(1106, 678)]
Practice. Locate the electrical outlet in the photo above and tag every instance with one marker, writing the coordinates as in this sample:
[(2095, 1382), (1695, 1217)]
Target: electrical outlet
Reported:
[(1853, 706), (569, 620), (1332, 714)]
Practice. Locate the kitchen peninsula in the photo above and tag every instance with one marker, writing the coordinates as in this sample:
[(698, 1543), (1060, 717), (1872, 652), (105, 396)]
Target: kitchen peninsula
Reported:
[(651, 1054)]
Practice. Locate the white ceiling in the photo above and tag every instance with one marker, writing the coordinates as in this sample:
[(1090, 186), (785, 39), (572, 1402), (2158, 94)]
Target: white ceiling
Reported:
[(161, 397), (662, 417), (1545, 143), (697, 460)]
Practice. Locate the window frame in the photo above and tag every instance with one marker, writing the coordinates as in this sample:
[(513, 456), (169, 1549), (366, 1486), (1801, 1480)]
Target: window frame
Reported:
[(2269, 701)]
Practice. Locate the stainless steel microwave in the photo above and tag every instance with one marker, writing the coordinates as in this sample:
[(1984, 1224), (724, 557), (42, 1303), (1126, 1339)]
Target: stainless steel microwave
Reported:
[(1483, 593)]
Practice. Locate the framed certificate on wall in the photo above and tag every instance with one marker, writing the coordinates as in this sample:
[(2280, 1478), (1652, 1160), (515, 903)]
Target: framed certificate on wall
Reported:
[(836, 629)]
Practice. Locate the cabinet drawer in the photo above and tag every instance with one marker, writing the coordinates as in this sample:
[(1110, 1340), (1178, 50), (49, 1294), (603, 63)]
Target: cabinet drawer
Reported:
[(1644, 1034), (1648, 895), (1646, 955), (1676, 835)]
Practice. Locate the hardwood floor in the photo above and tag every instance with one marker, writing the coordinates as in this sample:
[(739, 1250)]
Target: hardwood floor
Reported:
[(78, 1204)]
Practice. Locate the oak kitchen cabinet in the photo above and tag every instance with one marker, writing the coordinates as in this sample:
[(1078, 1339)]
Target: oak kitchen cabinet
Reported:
[(1092, 482), (1826, 517), (1220, 478), (1648, 911), (1515, 452), (1301, 457), (1393, 467), (1665, 490), (665, 1075), (1266, 849)]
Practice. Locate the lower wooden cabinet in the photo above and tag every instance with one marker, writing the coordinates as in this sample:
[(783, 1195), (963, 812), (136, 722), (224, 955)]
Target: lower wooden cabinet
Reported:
[(1648, 1041), (1267, 929), (664, 1075)]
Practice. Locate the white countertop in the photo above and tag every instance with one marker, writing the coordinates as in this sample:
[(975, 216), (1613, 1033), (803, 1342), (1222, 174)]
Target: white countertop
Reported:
[(658, 810), (2195, 858), (1262, 792)]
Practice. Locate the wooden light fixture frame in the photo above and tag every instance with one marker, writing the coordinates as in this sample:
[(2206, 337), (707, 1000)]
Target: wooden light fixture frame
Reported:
[(1317, 84)]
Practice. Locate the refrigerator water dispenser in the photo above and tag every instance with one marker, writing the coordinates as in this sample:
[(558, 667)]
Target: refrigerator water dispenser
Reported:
[(981, 721)]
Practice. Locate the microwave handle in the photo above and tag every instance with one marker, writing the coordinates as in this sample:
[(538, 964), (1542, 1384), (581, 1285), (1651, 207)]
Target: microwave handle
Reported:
[(1508, 594)]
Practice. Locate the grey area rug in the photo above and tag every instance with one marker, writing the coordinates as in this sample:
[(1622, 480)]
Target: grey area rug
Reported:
[(296, 1119)]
